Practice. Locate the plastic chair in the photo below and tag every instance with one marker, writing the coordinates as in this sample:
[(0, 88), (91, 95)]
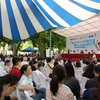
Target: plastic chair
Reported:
[(28, 96), (21, 95), (18, 94)]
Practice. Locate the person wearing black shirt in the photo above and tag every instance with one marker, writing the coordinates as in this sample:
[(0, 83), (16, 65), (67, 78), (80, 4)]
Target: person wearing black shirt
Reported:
[(71, 81), (92, 82)]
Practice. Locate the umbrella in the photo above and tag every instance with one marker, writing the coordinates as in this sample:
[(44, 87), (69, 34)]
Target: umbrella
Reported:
[(20, 19), (30, 49)]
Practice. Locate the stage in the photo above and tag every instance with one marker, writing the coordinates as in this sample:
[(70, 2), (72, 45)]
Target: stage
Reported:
[(76, 57)]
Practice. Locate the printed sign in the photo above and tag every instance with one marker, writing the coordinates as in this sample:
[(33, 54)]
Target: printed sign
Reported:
[(84, 43)]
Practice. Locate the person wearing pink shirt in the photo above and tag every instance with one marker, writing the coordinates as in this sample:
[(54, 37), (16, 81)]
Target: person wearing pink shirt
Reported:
[(56, 90)]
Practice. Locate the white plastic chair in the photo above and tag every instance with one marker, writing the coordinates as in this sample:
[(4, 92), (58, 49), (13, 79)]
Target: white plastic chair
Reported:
[(18, 94), (28, 96), (25, 96), (21, 95)]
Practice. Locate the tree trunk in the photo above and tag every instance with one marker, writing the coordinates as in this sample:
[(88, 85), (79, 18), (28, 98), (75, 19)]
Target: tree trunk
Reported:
[(15, 50), (18, 47), (40, 45)]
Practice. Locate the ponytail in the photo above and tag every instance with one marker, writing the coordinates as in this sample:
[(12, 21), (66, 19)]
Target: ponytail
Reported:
[(58, 75), (54, 85)]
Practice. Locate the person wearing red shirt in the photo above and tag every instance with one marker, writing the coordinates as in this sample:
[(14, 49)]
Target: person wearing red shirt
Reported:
[(16, 66)]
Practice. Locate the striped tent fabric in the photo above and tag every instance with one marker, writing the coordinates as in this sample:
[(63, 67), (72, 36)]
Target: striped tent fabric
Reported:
[(20, 19), (91, 25)]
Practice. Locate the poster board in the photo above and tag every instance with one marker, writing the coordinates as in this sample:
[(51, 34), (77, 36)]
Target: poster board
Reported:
[(87, 43)]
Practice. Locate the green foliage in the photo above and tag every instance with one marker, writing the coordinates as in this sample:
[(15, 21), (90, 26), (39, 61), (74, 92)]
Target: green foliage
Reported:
[(4, 41), (40, 40), (58, 41)]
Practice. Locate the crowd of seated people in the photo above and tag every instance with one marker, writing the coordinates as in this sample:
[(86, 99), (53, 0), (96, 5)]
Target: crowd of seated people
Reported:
[(49, 79)]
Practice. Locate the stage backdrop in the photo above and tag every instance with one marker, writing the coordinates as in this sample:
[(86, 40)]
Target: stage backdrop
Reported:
[(86, 42)]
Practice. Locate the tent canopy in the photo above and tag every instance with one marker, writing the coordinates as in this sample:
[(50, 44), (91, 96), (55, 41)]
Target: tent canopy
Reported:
[(88, 26), (20, 19), (30, 49)]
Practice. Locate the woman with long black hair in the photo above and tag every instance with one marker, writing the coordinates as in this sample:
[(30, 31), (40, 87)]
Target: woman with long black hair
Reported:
[(56, 90), (26, 83), (93, 93), (71, 81)]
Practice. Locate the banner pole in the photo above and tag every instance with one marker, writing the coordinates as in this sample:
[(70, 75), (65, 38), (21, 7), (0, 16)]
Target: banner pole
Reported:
[(50, 43)]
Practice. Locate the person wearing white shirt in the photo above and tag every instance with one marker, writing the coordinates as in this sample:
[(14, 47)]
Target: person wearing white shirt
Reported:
[(26, 83), (39, 78), (2, 72), (78, 70), (24, 61), (2, 63), (47, 70), (94, 57)]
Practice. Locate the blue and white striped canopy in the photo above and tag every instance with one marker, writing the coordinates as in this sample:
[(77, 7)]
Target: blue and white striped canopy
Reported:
[(20, 19)]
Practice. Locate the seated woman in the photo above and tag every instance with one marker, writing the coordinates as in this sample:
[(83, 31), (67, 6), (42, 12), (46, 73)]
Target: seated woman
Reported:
[(26, 83), (71, 81), (93, 93), (56, 90), (39, 78), (89, 73), (8, 84)]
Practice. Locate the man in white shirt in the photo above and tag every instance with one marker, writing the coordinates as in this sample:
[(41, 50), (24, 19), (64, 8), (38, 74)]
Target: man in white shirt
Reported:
[(39, 78), (2, 63), (2, 72), (24, 61)]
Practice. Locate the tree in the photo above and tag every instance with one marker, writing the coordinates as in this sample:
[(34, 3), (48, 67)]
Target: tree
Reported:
[(37, 42), (4, 41), (58, 41), (42, 41), (15, 50)]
